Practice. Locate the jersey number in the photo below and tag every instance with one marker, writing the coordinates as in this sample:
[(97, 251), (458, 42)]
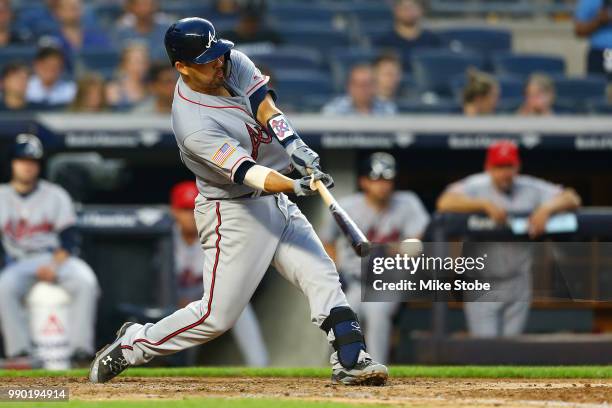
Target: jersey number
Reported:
[(258, 136)]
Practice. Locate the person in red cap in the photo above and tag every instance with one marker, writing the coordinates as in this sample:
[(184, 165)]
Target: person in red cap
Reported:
[(499, 191), (189, 263)]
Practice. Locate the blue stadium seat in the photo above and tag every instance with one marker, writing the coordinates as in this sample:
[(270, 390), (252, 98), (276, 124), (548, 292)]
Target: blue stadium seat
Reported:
[(103, 61), (182, 9), (525, 64), (286, 14), (417, 107), (581, 90), (367, 13), (483, 40), (511, 88), (600, 107), (514, 8), (342, 59), (288, 57), (295, 86), (313, 35), (433, 70), (23, 53)]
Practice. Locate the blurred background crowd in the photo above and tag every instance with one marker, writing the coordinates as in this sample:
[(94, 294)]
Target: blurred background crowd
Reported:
[(366, 56)]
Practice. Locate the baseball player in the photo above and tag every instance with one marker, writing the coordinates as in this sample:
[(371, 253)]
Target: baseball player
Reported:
[(385, 216), (238, 143), (496, 192), (37, 220), (188, 260)]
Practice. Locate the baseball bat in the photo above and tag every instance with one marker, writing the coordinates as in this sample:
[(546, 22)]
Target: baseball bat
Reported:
[(351, 231)]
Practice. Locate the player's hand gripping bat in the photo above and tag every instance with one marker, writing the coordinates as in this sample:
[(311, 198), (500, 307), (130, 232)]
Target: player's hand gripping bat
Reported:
[(358, 241)]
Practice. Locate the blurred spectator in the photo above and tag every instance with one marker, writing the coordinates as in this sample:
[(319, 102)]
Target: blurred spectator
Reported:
[(361, 98), (47, 86), (388, 76), (72, 34), (593, 20), (498, 192), (251, 28), (143, 22), (90, 94), (539, 96), (227, 9), (14, 84), (407, 31), (129, 86), (9, 34), (162, 80), (481, 94)]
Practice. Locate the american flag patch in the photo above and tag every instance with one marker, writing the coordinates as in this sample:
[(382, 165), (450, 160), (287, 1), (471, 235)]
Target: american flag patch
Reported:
[(223, 154)]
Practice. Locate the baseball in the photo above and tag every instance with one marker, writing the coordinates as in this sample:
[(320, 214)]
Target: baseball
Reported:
[(415, 247)]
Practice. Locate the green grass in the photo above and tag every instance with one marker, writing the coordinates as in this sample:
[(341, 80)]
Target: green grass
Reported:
[(190, 403), (599, 372)]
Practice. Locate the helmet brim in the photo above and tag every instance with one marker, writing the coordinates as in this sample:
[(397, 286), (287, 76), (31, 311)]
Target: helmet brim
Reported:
[(220, 48)]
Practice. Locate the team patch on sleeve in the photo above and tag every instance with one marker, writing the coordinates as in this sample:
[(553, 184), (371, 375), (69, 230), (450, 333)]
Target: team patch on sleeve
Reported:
[(223, 154), (281, 128)]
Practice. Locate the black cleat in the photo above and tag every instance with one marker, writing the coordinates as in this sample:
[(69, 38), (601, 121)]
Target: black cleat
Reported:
[(109, 361)]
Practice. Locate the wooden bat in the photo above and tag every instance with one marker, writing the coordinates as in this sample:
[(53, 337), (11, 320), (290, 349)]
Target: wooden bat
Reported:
[(358, 240)]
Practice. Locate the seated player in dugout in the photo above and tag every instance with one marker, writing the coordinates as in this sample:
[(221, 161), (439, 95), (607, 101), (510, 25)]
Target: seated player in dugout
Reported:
[(239, 145), (37, 220), (188, 264), (497, 192), (386, 216)]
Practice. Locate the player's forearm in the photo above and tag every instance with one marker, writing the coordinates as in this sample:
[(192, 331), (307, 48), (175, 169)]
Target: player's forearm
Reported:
[(455, 202), (269, 180), (568, 200), (330, 248), (277, 125)]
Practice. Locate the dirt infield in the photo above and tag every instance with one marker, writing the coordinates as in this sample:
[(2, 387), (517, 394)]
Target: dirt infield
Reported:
[(400, 392)]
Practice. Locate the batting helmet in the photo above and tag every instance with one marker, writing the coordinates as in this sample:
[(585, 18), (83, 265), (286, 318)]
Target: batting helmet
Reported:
[(380, 166), (28, 146), (194, 39)]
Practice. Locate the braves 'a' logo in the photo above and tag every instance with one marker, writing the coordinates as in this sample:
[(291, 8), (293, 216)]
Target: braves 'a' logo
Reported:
[(258, 136), (281, 128), (211, 39)]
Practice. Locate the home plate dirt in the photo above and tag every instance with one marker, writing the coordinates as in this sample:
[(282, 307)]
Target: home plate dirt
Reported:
[(402, 392)]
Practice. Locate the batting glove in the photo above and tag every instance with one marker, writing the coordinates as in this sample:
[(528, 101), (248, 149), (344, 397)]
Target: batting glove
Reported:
[(304, 158), (304, 186)]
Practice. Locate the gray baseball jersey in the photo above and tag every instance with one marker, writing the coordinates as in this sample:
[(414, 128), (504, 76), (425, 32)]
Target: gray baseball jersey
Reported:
[(31, 223), (240, 236), (216, 134), (406, 217), (526, 195)]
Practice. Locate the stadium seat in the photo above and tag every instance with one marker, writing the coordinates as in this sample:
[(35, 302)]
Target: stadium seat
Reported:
[(287, 14), (342, 59), (418, 107), (515, 8), (295, 86), (313, 35), (288, 57), (511, 88), (581, 90), (182, 9), (525, 64), (433, 70), (483, 40), (103, 61), (22, 53)]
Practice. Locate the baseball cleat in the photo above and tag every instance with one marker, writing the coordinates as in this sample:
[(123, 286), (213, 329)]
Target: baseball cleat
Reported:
[(109, 361), (365, 372)]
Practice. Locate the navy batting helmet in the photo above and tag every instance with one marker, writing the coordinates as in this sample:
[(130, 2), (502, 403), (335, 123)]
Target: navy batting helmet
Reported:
[(194, 40), (28, 146), (380, 166)]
